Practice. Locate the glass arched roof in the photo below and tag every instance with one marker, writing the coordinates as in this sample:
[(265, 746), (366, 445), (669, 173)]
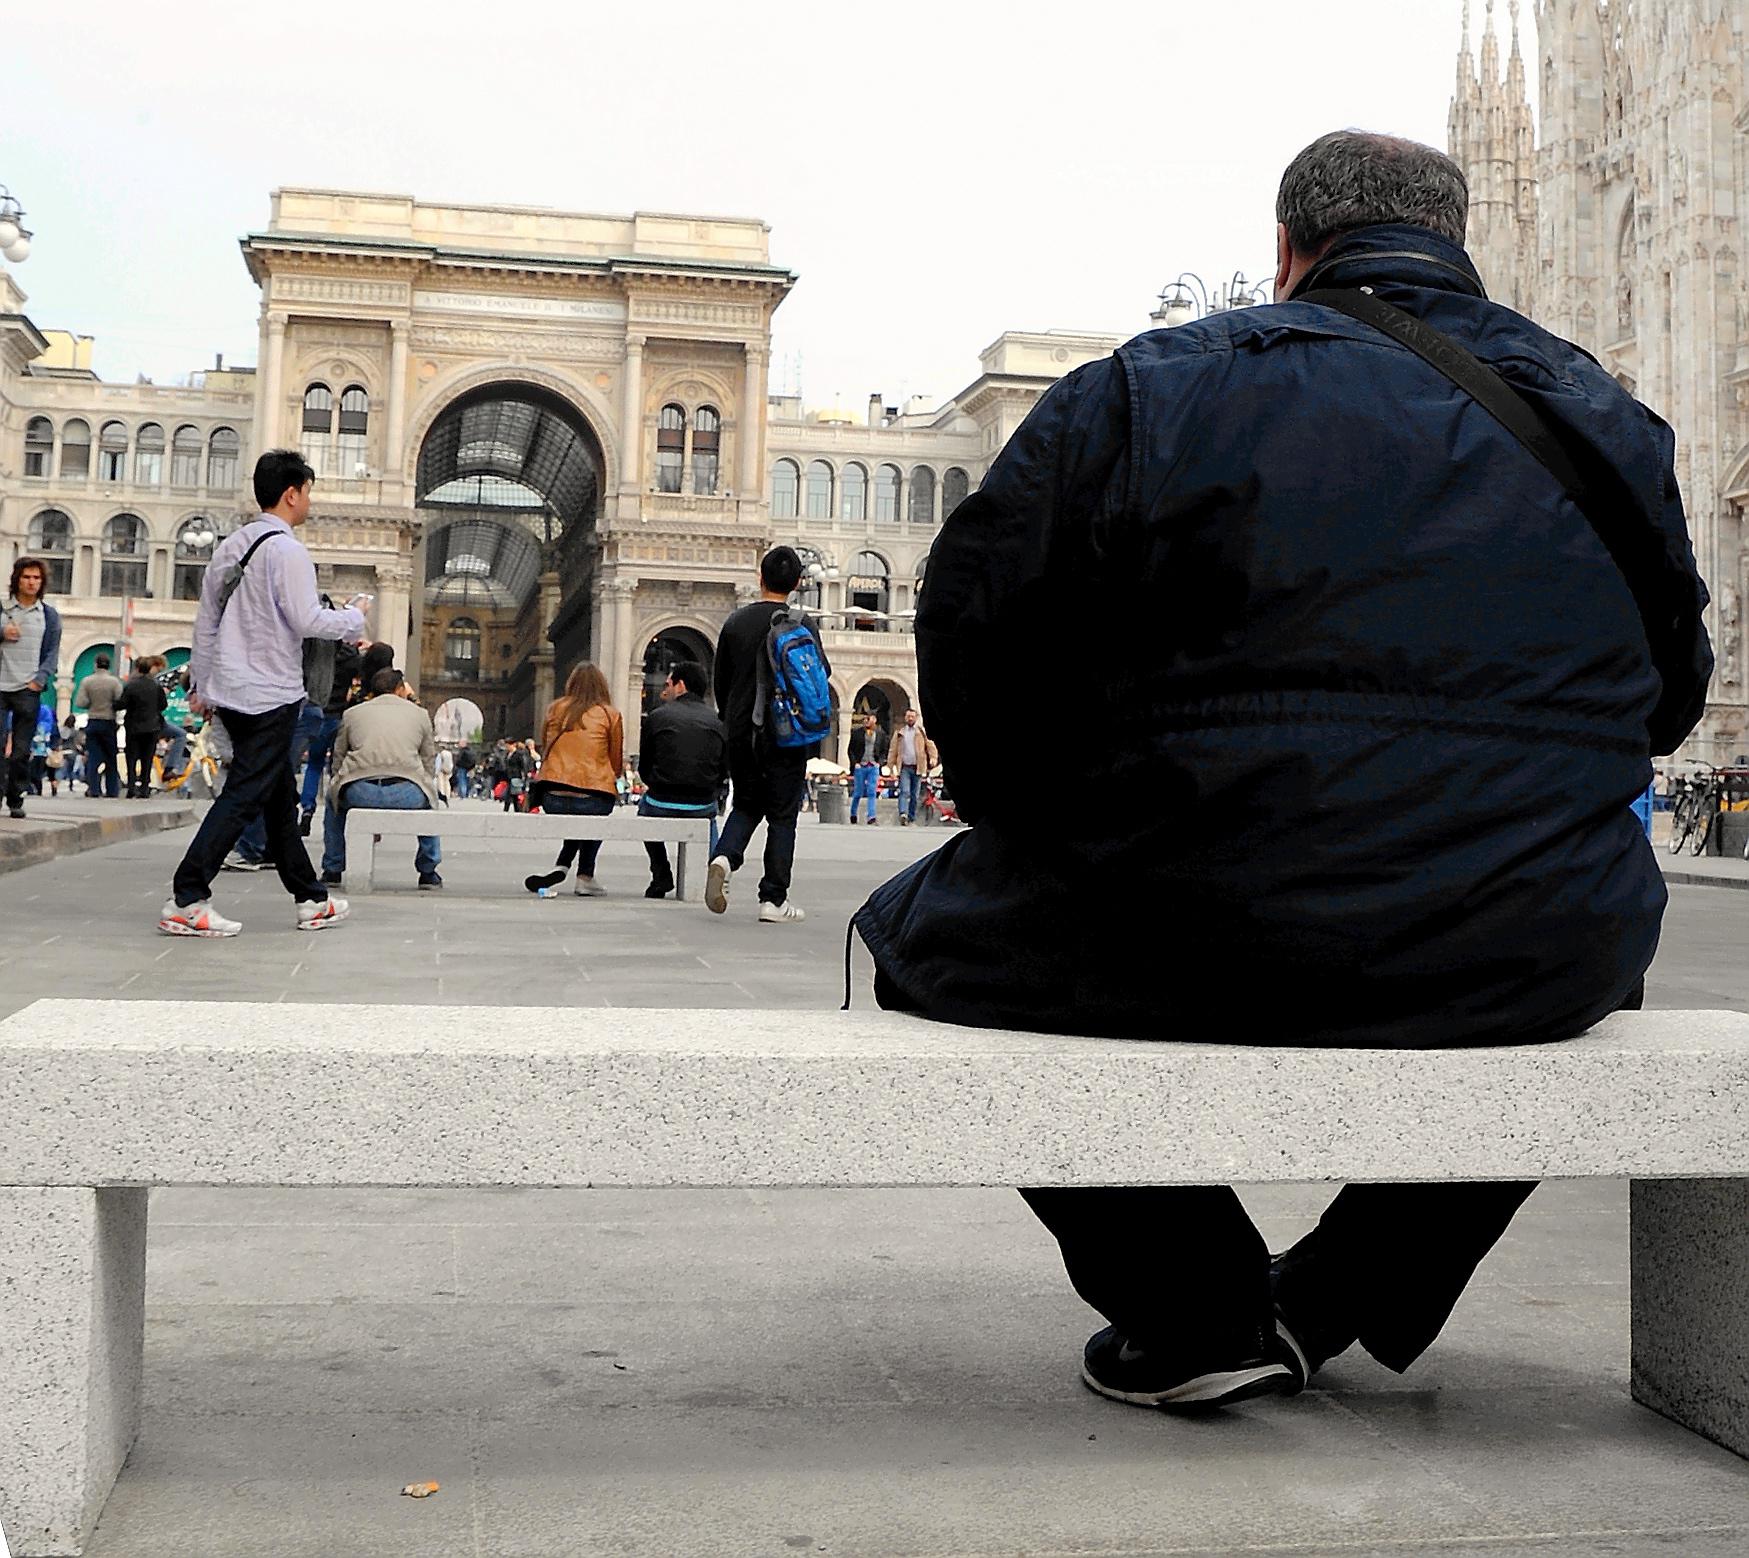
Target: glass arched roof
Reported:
[(481, 562)]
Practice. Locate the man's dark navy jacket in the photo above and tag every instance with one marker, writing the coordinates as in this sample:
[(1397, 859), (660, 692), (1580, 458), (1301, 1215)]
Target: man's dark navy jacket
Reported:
[(1361, 699)]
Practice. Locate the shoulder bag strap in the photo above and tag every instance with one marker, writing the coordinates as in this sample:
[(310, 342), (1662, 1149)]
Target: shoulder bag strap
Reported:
[(1601, 495)]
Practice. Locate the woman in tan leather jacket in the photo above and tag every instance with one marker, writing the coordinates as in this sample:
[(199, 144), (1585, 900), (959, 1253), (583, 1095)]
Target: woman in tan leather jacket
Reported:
[(584, 742)]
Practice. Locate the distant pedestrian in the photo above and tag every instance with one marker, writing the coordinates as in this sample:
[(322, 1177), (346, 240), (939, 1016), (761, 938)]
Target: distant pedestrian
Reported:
[(99, 694), (584, 738), (258, 604), (464, 771), (865, 766), (141, 705), (30, 650), (767, 777), (443, 767), (912, 756), (518, 770)]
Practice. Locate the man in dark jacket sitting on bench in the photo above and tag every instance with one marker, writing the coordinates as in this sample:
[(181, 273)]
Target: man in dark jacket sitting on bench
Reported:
[(683, 759), (1365, 762)]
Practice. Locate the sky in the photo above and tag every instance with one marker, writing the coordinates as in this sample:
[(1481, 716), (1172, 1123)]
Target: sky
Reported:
[(935, 174)]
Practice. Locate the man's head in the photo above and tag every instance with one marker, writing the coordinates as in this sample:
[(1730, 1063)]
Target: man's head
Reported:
[(910, 716), (386, 682), (780, 571), (870, 723), (1351, 179), (282, 485), (30, 577), (685, 676), (103, 662)]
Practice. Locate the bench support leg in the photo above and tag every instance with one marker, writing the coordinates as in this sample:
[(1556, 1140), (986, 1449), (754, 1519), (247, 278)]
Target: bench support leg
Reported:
[(1690, 1250), (72, 1323), (681, 851)]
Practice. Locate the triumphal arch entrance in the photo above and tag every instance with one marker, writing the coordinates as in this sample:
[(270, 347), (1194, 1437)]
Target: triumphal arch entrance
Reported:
[(538, 435)]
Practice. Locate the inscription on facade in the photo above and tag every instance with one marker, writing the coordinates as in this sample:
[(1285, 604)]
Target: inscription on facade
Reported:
[(591, 348), (501, 303)]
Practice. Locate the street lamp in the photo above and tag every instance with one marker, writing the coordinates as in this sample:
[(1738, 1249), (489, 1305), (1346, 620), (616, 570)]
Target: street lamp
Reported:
[(14, 239), (1190, 298), (201, 537)]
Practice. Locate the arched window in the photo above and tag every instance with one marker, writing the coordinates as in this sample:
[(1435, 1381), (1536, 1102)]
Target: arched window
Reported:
[(461, 649), (922, 496), (185, 457), (124, 556), (50, 537), (316, 439), (195, 540), (350, 446), (149, 455), (76, 450), (954, 487), (869, 588), (785, 484), (112, 452), (707, 433), (887, 492), (819, 490), (39, 446), (221, 459), (854, 502), (670, 447)]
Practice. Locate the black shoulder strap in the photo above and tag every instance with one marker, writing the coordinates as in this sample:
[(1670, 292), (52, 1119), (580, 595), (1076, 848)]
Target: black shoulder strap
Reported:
[(254, 547), (1600, 494)]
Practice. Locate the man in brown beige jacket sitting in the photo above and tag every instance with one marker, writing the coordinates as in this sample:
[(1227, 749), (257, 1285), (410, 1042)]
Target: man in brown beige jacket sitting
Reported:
[(382, 758)]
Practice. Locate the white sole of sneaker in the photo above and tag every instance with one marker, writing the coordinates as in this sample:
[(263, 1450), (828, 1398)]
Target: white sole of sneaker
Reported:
[(1291, 1342), (177, 928), (716, 886), (325, 921), (1205, 1390)]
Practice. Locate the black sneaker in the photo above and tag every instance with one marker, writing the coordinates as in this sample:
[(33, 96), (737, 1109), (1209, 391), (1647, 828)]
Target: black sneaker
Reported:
[(16, 812), (1181, 1381), (429, 880), (304, 821), (659, 889), (544, 879), (331, 879), (1300, 1342)]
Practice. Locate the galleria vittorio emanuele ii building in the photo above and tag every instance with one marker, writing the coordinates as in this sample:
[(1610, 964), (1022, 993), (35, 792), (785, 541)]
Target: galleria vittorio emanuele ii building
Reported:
[(540, 437), (546, 436)]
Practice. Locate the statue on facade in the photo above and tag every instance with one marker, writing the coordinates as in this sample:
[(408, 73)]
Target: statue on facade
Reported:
[(1624, 303)]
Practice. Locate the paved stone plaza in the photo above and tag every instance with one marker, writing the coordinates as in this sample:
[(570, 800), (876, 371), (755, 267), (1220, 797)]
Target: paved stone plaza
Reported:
[(734, 1372)]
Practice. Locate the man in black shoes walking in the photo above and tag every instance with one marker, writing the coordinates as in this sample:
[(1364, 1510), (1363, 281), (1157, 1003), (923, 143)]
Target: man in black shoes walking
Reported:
[(1410, 555), (768, 779)]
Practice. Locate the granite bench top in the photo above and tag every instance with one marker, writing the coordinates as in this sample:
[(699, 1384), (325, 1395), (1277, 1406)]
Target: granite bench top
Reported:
[(236, 1093), (484, 822)]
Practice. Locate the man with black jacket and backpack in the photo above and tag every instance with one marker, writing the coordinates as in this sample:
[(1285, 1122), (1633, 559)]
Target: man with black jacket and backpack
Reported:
[(1424, 607), (683, 761), (767, 778)]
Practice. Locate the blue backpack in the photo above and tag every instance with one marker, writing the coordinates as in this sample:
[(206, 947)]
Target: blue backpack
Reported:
[(798, 711)]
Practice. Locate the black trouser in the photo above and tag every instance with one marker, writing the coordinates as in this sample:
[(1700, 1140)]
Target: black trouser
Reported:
[(768, 788), (18, 711), (258, 781), (100, 754), (1385, 1266), (142, 744)]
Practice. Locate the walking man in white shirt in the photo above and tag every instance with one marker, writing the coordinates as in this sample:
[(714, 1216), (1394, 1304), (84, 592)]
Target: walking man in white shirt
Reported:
[(258, 604)]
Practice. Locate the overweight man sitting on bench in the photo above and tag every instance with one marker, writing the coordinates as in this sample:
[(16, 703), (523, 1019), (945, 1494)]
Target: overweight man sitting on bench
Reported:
[(1414, 626), (383, 754)]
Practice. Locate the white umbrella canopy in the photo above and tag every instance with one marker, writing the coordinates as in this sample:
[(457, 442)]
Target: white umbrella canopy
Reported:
[(824, 767)]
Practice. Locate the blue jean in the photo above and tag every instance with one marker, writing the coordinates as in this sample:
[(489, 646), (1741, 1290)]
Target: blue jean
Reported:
[(910, 787), (176, 755), (253, 844), (579, 803), (660, 870), (321, 744), (101, 770), (376, 794), (461, 783), (864, 782)]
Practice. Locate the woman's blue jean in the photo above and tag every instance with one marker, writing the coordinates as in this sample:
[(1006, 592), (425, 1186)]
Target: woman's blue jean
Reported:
[(388, 795), (579, 803)]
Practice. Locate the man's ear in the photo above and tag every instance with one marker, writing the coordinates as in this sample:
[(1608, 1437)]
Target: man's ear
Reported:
[(1284, 260)]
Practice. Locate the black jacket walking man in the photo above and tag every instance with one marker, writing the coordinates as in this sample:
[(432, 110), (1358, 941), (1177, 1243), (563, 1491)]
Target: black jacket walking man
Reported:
[(1366, 770)]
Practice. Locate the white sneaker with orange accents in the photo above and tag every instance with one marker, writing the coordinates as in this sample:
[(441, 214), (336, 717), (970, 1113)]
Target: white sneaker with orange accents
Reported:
[(319, 916), (195, 919)]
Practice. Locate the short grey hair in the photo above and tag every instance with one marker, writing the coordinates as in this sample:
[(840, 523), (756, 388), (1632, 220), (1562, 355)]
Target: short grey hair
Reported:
[(1350, 179)]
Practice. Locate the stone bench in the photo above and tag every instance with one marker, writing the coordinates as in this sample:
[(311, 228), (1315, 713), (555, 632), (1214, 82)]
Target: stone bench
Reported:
[(367, 827), (95, 1107)]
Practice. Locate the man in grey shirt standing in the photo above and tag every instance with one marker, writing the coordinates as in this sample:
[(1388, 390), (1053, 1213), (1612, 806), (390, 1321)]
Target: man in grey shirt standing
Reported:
[(97, 694), (30, 649), (258, 604)]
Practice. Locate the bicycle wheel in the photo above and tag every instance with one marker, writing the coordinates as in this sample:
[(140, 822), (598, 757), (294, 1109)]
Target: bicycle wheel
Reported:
[(1681, 821), (1703, 827)]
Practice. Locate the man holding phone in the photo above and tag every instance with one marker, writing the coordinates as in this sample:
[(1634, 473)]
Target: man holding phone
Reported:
[(258, 604)]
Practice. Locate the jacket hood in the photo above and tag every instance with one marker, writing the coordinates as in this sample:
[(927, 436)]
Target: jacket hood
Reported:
[(1397, 252)]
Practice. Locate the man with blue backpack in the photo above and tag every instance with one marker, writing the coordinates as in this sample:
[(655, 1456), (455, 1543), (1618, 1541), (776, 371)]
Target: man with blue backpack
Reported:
[(776, 704)]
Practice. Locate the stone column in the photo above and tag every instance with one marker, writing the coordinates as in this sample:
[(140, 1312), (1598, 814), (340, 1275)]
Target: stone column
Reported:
[(750, 472), (631, 418), (394, 456), (904, 496), (389, 616), (618, 669), (159, 577), (268, 423), (542, 660)]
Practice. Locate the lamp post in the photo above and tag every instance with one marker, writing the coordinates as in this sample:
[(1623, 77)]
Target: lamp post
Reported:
[(1189, 297), (14, 238)]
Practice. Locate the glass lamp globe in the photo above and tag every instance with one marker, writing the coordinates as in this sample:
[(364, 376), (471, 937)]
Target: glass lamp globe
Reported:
[(1180, 311), (8, 231), (18, 249)]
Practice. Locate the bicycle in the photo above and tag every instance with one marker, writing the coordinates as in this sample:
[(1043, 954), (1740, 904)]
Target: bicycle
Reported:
[(1697, 803)]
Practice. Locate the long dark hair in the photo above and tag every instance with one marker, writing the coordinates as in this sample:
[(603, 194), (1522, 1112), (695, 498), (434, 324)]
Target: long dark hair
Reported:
[(585, 689), (19, 567)]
